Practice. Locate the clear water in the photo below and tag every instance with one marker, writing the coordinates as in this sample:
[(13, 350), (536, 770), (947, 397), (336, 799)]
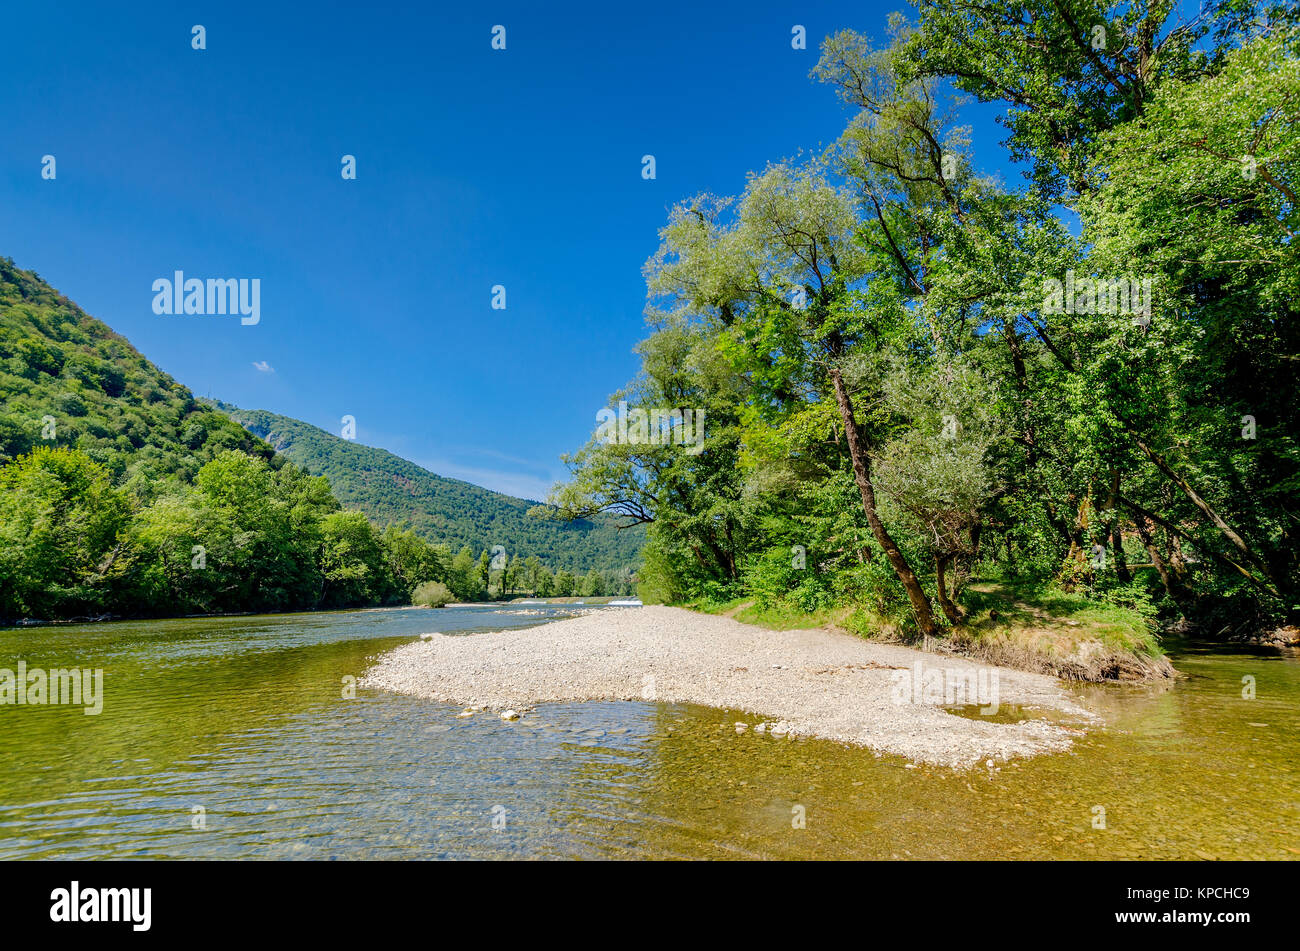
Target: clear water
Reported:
[(245, 718)]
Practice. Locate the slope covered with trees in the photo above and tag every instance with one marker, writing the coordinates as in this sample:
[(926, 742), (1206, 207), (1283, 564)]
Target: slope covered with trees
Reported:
[(913, 374), (67, 379), (394, 491), (120, 494)]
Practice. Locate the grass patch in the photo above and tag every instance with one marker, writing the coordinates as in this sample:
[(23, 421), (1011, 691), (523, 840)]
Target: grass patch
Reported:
[(784, 616), (1041, 616), (778, 616), (706, 606), (1039, 627), (1014, 623), (571, 599)]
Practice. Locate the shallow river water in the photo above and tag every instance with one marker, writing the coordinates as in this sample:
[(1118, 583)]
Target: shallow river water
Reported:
[(232, 738)]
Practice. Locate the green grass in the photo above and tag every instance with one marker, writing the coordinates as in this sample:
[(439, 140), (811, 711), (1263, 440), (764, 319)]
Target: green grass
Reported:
[(1039, 616), (1030, 625), (785, 617), (705, 606), (788, 617)]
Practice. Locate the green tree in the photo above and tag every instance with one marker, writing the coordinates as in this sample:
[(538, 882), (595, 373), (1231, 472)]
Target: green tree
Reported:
[(62, 534), (593, 585), (355, 570)]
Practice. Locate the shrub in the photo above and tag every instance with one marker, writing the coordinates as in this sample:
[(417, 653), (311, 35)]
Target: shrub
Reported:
[(431, 594)]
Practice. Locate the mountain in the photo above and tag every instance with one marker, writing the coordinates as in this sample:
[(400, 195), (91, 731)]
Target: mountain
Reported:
[(66, 379), (392, 490), (69, 383), (123, 495)]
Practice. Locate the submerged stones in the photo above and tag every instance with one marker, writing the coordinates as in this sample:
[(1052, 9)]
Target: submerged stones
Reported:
[(769, 727)]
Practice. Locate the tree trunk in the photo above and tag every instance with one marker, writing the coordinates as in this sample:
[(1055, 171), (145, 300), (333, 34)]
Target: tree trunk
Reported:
[(1076, 534), (950, 610), (858, 456), (1077, 566), (1173, 535), (1116, 536), (1252, 558), (1176, 559), (1172, 586), (1057, 522)]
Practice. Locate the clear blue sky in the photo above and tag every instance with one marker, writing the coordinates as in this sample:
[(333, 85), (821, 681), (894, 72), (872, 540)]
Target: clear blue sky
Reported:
[(475, 167)]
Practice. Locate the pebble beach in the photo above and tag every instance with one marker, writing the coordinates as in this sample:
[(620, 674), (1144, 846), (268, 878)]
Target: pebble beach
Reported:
[(814, 683)]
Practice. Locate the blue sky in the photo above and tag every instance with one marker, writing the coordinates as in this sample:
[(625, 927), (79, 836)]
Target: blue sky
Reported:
[(475, 167)]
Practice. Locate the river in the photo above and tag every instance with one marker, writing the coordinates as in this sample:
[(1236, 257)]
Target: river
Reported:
[(233, 738)]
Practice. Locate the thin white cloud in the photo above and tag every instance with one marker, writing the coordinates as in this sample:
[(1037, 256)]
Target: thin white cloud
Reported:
[(263, 367), (534, 485), (517, 484)]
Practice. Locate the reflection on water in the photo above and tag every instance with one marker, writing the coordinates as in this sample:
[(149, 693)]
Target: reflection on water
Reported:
[(240, 725)]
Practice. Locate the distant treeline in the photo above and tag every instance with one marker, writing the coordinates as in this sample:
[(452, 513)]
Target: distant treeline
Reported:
[(247, 535)]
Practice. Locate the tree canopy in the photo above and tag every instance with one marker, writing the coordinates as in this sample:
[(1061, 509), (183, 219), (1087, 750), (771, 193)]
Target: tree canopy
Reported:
[(914, 373)]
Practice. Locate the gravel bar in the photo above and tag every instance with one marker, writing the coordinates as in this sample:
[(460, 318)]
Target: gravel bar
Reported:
[(815, 683)]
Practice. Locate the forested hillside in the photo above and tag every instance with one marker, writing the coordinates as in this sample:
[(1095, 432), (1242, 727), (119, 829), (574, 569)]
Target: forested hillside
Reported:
[(120, 494), (67, 379), (393, 491)]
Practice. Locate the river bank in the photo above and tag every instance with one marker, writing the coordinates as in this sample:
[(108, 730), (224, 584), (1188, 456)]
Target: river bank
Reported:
[(814, 683), (1025, 626)]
